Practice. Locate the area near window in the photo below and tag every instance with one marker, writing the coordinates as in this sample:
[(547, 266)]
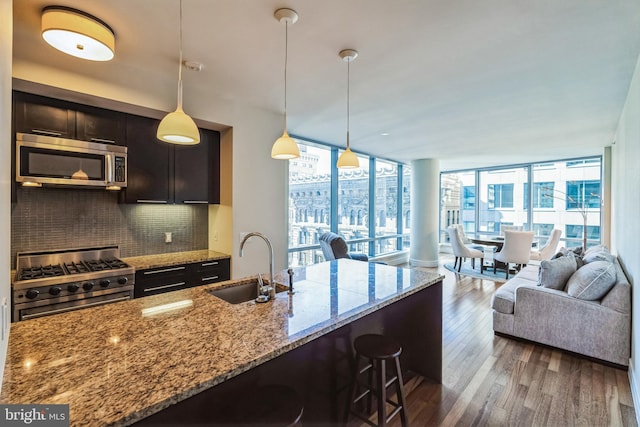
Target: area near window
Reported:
[(563, 194), (370, 210)]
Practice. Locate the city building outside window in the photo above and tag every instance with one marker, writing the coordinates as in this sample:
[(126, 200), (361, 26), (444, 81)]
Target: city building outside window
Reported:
[(565, 194), (323, 198)]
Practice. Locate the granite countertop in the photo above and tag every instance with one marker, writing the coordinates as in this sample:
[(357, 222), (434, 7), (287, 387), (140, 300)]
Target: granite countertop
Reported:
[(174, 258), (116, 364)]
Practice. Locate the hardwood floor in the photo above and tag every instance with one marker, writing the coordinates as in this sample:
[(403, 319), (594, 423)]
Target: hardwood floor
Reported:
[(496, 381)]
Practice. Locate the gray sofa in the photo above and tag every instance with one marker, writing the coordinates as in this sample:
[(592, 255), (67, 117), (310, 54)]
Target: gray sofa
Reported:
[(599, 328)]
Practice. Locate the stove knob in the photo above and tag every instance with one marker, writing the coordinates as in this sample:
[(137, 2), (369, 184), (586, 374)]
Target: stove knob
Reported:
[(55, 290), (87, 286), (32, 293), (122, 280), (105, 283), (73, 287)]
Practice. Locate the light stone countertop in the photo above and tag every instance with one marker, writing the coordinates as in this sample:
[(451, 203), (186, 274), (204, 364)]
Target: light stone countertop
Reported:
[(114, 365), (173, 258)]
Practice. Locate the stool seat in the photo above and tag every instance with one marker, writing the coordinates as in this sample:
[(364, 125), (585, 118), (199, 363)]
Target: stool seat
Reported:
[(273, 404), (377, 346)]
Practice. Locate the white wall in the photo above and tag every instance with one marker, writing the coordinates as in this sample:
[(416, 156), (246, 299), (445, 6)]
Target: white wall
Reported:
[(625, 213), (259, 182), (6, 36)]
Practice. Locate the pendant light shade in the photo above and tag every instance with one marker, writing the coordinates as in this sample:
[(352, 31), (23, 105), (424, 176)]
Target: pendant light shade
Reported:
[(178, 127), (348, 159), (285, 147), (77, 33)]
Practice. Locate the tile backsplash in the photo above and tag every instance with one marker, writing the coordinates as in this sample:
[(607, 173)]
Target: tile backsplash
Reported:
[(56, 218)]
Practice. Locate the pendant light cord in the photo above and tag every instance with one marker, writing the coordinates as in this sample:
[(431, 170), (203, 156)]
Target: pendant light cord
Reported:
[(180, 64), (348, 64), (286, 55)]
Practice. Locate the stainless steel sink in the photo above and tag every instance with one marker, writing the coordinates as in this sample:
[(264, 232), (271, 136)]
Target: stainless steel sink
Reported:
[(242, 292)]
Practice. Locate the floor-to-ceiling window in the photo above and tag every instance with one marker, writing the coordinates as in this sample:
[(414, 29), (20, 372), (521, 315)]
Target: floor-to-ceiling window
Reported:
[(562, 194), (370, 210)]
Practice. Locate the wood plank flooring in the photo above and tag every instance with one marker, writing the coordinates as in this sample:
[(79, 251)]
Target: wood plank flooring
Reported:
[(496, 381)]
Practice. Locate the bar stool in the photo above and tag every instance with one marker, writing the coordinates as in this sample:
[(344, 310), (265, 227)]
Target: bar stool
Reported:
[(273, 405), (376, 350)]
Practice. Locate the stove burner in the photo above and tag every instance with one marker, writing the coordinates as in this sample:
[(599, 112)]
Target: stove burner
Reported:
[(106, 264), (39, 272), (76, 267)]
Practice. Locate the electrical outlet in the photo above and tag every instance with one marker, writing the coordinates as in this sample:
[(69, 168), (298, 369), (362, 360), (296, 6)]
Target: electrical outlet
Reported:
[(167, 237)]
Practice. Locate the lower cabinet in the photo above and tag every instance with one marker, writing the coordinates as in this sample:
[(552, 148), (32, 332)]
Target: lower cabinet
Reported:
[(172, 278)]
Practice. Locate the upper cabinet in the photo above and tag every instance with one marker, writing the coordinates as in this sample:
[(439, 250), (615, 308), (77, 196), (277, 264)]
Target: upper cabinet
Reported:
[(51, 117), (150, 163), (197, 170), (166, 173)]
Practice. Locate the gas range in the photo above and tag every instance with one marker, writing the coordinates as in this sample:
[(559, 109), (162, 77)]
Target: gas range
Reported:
[(57, 281)]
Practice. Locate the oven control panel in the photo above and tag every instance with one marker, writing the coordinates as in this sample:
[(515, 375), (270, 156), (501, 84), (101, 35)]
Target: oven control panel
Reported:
[(72, 290)]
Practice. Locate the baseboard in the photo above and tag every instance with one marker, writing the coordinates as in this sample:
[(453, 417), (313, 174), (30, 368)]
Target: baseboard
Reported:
[(421, 263), (635, 392), (394, 258)]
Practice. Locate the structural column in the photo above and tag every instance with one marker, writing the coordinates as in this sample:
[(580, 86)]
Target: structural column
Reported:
[(425, 211)]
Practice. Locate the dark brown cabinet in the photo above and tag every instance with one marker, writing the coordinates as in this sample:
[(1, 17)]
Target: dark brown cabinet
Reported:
[(165, 173), (197, 170), (158, 280), (150, 163), (52, 117), (43, 116)]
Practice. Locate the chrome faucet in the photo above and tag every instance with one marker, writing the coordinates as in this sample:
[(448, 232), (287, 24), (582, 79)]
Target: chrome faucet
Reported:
[(272, 286)]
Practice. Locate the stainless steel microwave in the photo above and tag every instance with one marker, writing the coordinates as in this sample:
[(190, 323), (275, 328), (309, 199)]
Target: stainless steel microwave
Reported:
[(58, 161)]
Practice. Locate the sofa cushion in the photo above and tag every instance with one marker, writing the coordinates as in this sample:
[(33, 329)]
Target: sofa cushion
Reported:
[(592, 281), (555, 273)]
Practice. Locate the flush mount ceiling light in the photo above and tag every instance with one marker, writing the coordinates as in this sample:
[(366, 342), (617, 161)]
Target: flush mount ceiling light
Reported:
[(285, 147), (348, 159), (77, 33), (178, 127)]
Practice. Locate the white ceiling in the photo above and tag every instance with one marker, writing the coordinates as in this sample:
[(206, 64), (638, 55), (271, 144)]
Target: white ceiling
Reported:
[(472, 83)]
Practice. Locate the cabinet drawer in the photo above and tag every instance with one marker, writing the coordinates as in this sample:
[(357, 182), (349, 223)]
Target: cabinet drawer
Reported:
[(202, 273), (159, 280)]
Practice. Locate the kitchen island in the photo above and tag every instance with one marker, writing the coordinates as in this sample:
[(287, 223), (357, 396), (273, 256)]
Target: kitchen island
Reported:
[(121, 363)]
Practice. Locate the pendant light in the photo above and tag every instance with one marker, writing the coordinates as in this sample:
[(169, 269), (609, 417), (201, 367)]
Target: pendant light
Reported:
[(178, 127), (348, 159), (77, 33), (285, 147)]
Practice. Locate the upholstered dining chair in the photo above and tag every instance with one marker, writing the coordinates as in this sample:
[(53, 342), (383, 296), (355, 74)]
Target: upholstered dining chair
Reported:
[(516, 249), (504, 228), (462, 251), (465, 239), (334, 247), (549, 248)]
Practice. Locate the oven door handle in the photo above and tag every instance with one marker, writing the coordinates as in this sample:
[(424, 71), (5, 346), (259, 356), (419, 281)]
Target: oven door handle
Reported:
[(75, 307)]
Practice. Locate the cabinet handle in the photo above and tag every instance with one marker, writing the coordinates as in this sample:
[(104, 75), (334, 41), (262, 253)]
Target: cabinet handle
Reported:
[(209, 278), (45, 132), (194, 202), (164, 270), (106, 141), (207, 264), (151, 201), (173, 285)]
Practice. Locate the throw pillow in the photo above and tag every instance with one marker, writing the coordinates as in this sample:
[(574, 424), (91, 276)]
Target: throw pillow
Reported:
[(555, 272), (597, 253), (592, 281)]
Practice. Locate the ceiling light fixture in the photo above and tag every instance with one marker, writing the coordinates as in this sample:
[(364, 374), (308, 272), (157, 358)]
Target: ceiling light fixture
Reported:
[(178, 127), (77, 33), (348, 159), (285, 147)]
